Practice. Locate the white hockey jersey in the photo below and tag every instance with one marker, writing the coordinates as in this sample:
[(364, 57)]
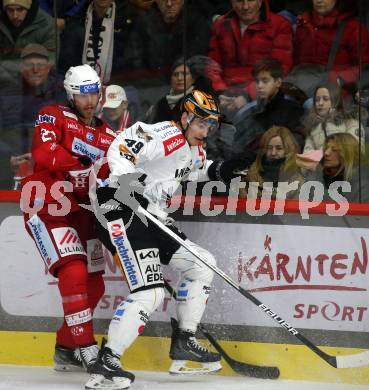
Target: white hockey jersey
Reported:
[(161, 152)]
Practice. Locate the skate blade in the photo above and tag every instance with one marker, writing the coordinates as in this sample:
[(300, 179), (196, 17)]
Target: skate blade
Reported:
[(68, 368), (183, 367), (97, 382)]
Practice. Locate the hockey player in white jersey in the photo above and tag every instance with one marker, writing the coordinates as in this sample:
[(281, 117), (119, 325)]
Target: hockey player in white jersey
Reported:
[(161, 155)]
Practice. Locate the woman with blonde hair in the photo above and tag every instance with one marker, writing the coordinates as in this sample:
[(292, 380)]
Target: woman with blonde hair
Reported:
[(341, 163), (275, 163)]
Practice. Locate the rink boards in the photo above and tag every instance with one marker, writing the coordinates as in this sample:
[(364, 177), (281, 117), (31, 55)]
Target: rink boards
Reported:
[(312, 272)]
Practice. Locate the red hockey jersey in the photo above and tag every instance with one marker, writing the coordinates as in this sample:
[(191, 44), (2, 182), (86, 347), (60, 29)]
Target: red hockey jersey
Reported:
[(59, 140)]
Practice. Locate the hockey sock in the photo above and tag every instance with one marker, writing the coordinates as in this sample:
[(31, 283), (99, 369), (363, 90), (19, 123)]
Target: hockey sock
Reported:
[(95, 288), (192, 297), (131, 317), (64, 337), (194, 285), (77, 311)]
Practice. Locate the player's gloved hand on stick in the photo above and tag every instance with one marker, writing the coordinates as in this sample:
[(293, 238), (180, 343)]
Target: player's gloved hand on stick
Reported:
[(85, 161), (128, 193), (225, 170)]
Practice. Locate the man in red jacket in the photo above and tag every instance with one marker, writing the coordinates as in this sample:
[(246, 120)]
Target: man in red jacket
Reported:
[(243, 36), (66, 142), (315, 33)]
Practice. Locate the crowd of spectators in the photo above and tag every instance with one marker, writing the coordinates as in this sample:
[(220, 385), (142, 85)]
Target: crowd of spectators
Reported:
[(290, 76)]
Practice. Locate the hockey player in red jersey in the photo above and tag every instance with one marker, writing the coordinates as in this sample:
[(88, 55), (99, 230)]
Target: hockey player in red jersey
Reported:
[(67, 141), (159, 157)]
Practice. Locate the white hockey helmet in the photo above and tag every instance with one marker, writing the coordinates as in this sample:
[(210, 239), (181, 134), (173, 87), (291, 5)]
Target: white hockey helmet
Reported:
[(80, 80)]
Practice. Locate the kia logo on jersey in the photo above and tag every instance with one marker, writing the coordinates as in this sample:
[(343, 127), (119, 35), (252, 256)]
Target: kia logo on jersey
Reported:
[(173, 144)]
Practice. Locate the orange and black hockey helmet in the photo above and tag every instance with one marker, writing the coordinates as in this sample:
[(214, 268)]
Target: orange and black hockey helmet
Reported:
[(202, 105)]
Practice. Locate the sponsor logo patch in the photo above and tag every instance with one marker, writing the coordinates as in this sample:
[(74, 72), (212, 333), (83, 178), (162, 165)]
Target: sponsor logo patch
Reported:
[(80, 147), (150, 265), (67, 241), (174, 143), (78, 318), (90, 137), (73, 126), (43, 240), (45, 118), (95, 255), (104, 140), (129, 263), (89, 88)]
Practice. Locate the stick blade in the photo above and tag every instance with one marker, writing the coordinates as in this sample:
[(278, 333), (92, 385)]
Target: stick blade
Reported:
[(241, 368), (261, 372)]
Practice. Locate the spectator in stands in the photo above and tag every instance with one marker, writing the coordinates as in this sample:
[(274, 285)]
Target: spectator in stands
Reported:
[(275, 163), (243, 36), (181, 83), (328, 117), (158, 37), (115, 108), (184, 78), (64, 9), (100, 39), (341, 163), (315, 35), (289, 9), (22, 22), (38, 87), (272, 108)]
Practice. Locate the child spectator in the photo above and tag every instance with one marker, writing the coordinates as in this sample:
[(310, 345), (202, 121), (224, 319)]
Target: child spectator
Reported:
[(327, 117), (275, 163), (271, 109), (243, 36)]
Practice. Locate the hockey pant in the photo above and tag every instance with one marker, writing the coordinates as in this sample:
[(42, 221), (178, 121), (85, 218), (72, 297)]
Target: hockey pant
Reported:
[(132, 314), (72, 253)]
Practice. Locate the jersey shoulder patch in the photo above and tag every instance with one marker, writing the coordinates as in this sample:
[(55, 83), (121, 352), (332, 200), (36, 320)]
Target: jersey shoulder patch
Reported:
[(47, 114)]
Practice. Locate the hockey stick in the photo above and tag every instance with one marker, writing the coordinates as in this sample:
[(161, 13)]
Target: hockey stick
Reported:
[(356, 360), (245, 369)]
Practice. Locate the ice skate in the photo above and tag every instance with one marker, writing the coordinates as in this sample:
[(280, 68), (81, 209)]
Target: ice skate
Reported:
[(185, 348), (67, 359), (107, 373), (89, 356)]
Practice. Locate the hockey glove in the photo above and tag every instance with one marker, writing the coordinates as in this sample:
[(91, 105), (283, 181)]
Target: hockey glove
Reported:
[(85, 161), (129, 192), (224, 171)]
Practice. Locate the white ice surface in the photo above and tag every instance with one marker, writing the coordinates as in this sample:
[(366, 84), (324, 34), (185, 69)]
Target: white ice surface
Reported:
[(45, 378)]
